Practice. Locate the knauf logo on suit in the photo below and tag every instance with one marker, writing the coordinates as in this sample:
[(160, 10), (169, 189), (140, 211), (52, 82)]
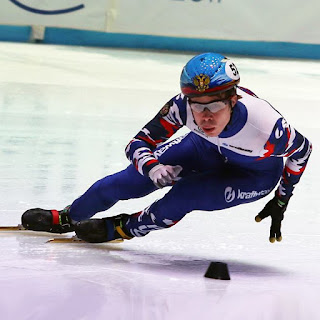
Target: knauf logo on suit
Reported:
[(230, 194)]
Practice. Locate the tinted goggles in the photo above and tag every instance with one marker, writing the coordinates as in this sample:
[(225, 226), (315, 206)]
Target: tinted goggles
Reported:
[(213, 107)]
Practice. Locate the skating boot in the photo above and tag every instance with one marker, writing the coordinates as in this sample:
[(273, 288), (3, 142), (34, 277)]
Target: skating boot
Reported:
[(103, 230), (47, 220)]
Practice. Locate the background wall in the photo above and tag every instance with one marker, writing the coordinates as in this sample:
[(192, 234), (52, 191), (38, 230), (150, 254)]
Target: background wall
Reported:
[(289, 28)]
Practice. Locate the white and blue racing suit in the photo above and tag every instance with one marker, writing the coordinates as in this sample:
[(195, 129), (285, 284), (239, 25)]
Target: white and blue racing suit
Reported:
[(243, 164)]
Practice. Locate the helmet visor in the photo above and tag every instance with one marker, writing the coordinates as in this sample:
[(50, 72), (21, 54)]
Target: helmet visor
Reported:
[(213, 107)]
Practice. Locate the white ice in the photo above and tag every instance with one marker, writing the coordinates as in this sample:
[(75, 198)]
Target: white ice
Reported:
[(66, 115)]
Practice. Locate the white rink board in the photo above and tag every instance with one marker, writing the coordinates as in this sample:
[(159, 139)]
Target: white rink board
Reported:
[(247, 20), (286, 20)]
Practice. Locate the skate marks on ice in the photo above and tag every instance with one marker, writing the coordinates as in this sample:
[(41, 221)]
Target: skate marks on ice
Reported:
[(91, 280), (127, 254), (116, 279), (116, 251)]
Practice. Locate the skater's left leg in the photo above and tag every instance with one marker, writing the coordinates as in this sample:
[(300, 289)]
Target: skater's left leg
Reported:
[(205, 191)]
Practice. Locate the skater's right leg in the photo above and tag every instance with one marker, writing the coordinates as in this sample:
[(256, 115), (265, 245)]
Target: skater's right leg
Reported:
[(102, 195), (124, 185)]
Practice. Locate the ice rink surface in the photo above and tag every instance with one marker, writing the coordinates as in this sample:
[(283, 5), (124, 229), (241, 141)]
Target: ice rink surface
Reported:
[(66, 115)]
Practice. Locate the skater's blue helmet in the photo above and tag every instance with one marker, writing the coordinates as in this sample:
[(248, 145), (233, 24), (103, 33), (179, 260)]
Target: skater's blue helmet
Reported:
[(208, 74)]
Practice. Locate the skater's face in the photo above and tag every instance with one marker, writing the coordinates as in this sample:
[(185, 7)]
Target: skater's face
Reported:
[(212, 114)]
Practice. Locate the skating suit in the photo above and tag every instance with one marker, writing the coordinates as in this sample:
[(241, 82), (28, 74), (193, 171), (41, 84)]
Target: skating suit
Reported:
[(244, 163)]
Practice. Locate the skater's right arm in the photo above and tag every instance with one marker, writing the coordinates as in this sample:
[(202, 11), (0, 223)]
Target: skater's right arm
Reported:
[(168, 121)]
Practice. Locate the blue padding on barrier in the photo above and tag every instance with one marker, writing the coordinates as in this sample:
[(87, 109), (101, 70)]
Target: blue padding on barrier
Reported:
[(255, 48), (119, 40), (15, 33)]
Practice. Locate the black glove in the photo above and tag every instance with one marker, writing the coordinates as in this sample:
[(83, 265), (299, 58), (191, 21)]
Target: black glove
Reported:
[(274, 208)]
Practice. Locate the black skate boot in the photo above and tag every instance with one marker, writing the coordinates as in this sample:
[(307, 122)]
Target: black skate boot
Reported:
[(47, 220), (103, 230)]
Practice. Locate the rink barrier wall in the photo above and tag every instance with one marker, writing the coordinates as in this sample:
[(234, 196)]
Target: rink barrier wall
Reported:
[(15, 33), (65, 36)]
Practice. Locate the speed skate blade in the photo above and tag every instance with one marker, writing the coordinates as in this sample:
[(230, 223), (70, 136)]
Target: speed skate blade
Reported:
[(19, 227), (75, 239)]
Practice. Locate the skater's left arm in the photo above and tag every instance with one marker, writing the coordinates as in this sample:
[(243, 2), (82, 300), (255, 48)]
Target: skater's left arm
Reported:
[(285, 142)]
